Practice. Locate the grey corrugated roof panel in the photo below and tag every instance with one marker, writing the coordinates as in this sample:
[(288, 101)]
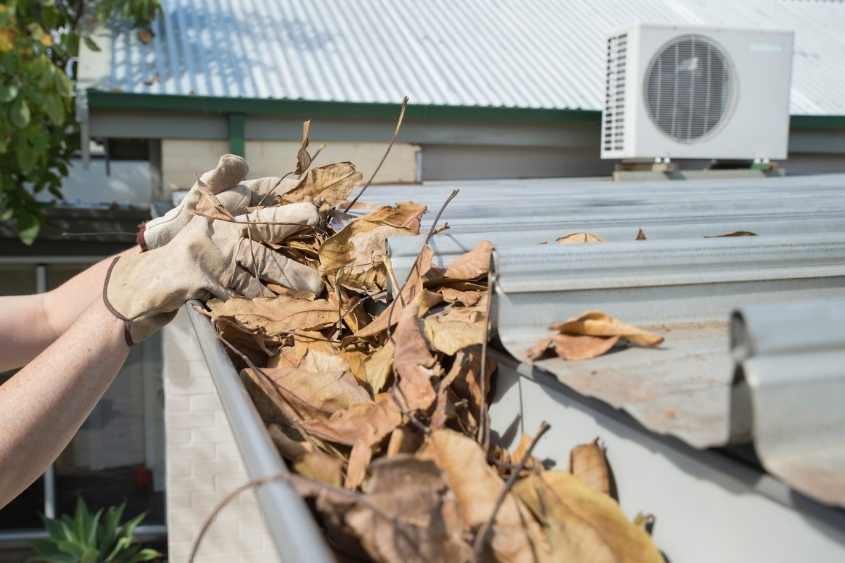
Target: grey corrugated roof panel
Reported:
[(528, 213), (790, 359), (676, 283), (531, 54)]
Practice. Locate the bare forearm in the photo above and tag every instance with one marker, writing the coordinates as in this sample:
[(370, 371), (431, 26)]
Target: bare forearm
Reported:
[(30, 323), (45, 403)]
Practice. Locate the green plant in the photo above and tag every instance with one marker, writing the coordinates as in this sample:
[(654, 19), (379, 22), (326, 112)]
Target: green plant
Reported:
[(39, 41), (88, 537)]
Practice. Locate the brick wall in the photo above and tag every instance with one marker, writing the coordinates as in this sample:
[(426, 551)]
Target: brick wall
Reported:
[(203, 462)]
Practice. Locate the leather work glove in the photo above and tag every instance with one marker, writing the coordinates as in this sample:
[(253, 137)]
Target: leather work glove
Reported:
[(208, 257), (226, 181)]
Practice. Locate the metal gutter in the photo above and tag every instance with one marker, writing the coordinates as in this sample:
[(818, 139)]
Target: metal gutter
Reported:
[(296, 535), (790, 359), (737, 508)]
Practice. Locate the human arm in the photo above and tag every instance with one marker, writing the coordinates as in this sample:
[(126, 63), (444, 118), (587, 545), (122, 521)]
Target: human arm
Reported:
[(30, 323), (44, 404)]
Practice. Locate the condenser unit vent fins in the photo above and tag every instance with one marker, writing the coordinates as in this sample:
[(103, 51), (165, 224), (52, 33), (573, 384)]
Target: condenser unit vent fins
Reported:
[(689, 88), (613, 134)]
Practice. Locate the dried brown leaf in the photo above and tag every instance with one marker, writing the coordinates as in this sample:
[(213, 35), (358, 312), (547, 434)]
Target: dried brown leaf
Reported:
[(466, 298), (303, 157), (598, 323), (469, 266), (588, 463), (310, 463), (379, 366), (455, 328), (734, 234), (582, 524), (568, 347), (276, 315), (424, 527), (368, 423), (413, 362), (516, 536), (359, 460), (520, 451), (358, 250), (640, 235), (403, 440), (467, 384), (211, 207), (580, 238), (330, 184), (322, 383)]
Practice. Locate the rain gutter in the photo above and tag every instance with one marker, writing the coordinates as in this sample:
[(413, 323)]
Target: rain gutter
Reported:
[(296, 535)]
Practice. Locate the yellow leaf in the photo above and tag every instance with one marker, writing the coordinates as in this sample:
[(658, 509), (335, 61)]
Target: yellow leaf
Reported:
[(582, 524), (516, 536), (46, 40), (7, 40), (598, 323), (588, 463)]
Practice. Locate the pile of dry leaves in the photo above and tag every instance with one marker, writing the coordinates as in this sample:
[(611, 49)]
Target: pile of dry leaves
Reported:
[(376, 393)]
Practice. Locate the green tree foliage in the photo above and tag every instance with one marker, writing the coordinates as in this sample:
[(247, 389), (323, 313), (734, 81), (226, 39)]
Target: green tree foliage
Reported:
[(39, 40)]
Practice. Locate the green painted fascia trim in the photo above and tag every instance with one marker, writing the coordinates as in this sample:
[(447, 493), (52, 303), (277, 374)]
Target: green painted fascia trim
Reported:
[(817, 122), (303, 109), (237, 134)]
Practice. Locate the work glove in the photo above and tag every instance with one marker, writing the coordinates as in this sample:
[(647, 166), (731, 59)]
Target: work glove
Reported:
[(208, 257), (226, 182)]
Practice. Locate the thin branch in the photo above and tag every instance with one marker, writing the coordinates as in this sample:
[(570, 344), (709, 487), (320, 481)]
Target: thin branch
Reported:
[(483, 413), (416, 265), (484, 533), (386, 152), (292, 480)]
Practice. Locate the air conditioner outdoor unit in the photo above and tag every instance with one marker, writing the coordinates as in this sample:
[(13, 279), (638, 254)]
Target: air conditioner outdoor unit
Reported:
[(697, 92)]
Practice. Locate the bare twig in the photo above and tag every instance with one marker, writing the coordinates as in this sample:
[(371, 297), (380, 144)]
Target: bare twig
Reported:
[(292, 480), (484, 532), (483, 415), (416, 265), (402, 109)]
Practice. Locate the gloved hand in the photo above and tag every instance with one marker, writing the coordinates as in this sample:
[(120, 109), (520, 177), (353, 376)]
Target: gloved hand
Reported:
[(227, 182), (208, 257)]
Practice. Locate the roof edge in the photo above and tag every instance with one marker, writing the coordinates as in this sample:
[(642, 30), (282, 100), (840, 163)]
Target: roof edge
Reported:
[(98, 99)]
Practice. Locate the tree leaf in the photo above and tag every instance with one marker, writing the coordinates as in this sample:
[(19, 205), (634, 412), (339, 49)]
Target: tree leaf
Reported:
[(455, 328), (413, 362), (90, 43), (598, 323), (379, 366), (8, 92), (19, 113), (471, 265), (368, 423), (516, 536), (329, 184), (582, 524), (54, 108), (276, 315), (588, 463), (579, 238)]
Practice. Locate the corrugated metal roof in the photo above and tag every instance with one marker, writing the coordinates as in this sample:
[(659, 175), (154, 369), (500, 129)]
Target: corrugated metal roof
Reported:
[(528, 54), (676, 282)]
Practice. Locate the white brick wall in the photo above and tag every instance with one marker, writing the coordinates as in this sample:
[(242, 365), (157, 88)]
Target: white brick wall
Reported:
[(203, 462)]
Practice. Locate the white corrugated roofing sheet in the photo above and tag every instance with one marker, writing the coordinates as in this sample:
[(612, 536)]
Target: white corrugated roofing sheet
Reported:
[(528, 54)]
